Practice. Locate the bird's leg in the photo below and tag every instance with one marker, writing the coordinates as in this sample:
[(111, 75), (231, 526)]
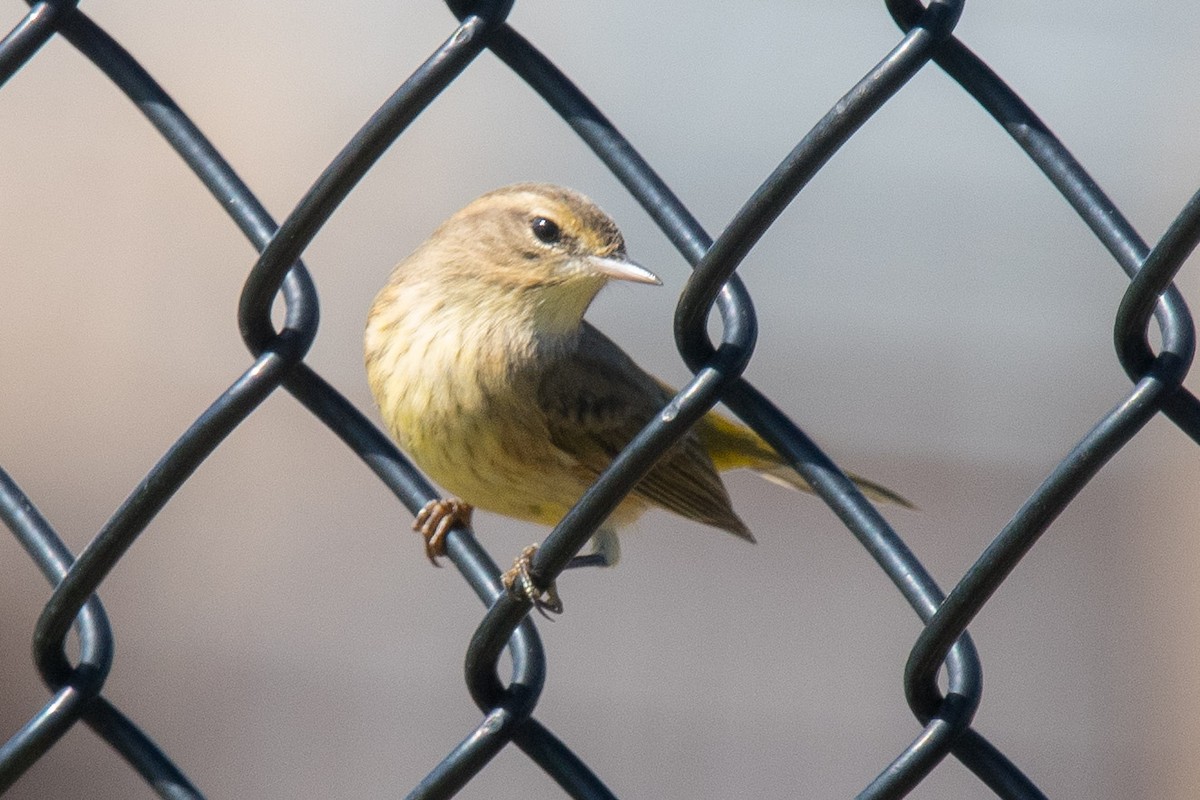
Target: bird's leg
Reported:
[(518, 581), (435, 520), (606, 551)]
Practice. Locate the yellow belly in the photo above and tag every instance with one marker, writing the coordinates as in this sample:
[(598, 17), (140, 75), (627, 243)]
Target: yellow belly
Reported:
[(495, 460), (474, 430)]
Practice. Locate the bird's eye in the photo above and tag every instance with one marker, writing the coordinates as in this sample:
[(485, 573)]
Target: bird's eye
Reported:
[(546, 230)]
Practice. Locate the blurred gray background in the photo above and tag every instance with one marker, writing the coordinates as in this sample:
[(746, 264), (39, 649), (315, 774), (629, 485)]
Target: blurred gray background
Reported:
[(931, 312)]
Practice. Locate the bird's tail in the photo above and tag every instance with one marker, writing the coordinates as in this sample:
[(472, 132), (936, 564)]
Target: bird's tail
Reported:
[(784, 475), (732, 445)]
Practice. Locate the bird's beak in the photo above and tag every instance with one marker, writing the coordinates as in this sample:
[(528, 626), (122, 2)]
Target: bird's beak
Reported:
[(622, 269)]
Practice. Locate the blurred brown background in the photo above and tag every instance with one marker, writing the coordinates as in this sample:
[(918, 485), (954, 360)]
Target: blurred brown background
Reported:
[(931, 312)]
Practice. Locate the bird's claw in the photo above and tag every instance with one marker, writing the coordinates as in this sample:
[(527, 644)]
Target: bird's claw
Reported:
[(434, 521), (519, 582)]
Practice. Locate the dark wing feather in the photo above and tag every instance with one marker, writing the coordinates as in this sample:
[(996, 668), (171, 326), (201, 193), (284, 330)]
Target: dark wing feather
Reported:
[(596, 399)]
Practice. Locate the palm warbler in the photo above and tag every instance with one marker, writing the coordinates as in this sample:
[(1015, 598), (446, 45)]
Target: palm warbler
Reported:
[(488, 376)]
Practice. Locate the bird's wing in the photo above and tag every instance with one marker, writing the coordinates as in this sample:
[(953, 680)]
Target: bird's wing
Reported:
[(595, 400)]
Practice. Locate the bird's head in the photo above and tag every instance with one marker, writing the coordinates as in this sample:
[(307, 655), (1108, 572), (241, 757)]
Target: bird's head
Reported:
[(537, 247)]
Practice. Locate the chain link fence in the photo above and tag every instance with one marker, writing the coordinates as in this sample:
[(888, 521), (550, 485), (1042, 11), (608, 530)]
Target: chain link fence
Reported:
[(507, 689)]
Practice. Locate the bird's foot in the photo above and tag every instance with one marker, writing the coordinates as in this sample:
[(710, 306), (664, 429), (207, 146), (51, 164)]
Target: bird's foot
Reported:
[(436, 519), (518, 581)]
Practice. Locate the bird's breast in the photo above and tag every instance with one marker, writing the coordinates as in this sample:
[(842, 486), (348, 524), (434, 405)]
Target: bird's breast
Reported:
[(461, 400)]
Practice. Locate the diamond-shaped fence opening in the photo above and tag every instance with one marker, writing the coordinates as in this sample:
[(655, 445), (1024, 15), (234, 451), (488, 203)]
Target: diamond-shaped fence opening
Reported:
[(928, 282)]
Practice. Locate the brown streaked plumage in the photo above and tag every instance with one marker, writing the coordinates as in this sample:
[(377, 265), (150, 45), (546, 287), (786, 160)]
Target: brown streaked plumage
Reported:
[(488, 376)]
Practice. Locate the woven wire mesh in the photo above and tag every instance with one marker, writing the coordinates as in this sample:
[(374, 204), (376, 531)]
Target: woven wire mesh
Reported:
[(508, 697)]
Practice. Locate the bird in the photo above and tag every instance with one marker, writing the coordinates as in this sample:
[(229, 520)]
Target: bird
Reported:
[(487, 375)]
